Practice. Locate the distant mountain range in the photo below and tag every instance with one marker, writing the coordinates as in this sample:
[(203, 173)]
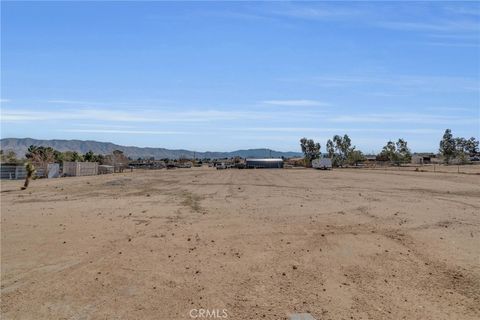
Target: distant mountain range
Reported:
[(20, 146)]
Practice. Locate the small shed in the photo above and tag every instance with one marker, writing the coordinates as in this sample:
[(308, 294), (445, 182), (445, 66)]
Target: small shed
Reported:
[(422, 158), (105, 169), (76, 169), (53, 170), (264, 163)]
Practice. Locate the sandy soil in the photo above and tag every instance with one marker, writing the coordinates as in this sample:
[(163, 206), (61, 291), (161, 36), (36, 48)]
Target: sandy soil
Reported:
[(262, 244), (437, 168)]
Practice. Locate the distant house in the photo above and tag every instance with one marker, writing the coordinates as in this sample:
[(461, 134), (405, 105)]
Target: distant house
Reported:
[(422, 158), (374, 161)]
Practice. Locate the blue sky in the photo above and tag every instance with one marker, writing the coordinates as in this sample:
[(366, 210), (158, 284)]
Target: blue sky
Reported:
[(221, 76)]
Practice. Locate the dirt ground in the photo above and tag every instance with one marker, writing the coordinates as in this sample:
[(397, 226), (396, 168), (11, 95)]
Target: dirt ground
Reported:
[(261, 244), (437, 168)]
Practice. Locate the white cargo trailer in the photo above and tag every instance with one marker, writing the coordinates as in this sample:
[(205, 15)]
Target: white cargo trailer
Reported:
[(323, 163)]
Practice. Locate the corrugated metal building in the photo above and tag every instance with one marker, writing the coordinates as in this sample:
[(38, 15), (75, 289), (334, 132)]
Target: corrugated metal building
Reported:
[(14, 172), (266, 163)]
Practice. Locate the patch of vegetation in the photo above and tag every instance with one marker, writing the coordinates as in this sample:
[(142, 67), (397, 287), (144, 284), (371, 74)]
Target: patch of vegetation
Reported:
[(193, 201)]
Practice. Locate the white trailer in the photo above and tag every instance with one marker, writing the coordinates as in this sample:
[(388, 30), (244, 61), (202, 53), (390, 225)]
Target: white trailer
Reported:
[(323, 163)]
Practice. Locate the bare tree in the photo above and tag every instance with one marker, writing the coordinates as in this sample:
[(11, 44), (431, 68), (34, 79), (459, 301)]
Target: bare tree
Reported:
[(116, 159)]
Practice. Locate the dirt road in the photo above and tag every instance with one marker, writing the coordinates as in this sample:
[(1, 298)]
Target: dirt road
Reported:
[(259, 244)]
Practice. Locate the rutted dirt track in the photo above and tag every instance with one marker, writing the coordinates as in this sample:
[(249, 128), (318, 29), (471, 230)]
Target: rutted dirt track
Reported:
[(262, 244)]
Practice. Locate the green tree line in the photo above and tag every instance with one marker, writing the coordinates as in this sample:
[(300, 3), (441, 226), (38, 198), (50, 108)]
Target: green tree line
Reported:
[(341, 151), (457, 147)]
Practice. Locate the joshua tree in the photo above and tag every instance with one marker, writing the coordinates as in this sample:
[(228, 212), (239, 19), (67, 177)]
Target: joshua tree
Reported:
[(40, 156), (30, 172), (31, 150)]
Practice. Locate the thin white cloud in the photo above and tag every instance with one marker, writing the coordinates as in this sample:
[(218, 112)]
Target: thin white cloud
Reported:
[(125, 131), (438, 26), (406, 118), (410, 82), (453, 20), (455, 36), (247, 15), (317, 12), (386, 94), (73, 102), (101, 125), (140, 116), (296, 103), (5, 100), (452, 44), (86, 103), (335, 130), (458, 9), (31, 115), (457, 109), (445, 19)]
